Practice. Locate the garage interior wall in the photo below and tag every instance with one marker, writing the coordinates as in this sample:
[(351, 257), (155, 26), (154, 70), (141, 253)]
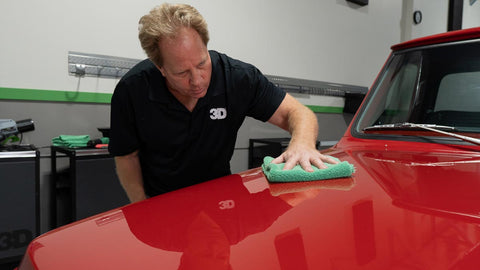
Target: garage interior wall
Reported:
[(333, 41), (471, 14)]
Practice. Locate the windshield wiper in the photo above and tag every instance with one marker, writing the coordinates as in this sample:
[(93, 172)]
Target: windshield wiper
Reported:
[(430, 127), (406, 125)]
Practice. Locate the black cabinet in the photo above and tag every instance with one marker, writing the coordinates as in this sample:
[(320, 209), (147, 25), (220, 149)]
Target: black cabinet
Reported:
[(259, 148), (19, 200), (88, 186)]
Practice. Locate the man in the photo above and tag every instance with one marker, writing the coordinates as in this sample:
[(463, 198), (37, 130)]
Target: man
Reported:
[(175, 116)]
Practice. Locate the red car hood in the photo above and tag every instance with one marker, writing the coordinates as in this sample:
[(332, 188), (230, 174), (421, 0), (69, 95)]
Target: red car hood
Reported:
[(405, 207)]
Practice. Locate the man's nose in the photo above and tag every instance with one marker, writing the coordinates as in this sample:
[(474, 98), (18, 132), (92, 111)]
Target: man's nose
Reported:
[(195, 77)]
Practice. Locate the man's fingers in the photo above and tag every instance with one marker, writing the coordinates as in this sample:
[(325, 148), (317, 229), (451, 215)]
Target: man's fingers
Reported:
[(289, 164), (278, 160), (329, 160), (306, 165), (319, 163), (317, 160)]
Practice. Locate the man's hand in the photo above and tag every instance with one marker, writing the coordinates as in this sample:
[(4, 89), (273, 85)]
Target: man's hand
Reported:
[(304, 156), (302, 123)]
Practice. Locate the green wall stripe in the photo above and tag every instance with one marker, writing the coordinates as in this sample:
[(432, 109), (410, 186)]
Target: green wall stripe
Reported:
[(53, 95), (88, 97), (325, 109)]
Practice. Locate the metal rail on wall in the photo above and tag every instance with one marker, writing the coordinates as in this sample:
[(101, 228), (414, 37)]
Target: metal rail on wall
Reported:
[(311, 87), (96, 65)]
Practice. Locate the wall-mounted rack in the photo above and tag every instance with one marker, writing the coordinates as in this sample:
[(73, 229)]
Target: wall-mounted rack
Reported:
[(311, 87), (86, 64)]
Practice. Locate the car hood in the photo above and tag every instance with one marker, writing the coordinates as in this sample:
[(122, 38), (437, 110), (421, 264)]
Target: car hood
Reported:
[(445, 184), (400, 209)]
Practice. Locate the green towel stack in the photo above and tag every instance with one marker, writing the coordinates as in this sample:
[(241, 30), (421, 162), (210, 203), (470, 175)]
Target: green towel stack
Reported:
[(275, 172), (71, 141)]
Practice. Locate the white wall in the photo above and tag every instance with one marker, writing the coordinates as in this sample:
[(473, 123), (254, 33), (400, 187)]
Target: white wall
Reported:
[(471, 14), (321, 40), (333, 41), (434, 18)]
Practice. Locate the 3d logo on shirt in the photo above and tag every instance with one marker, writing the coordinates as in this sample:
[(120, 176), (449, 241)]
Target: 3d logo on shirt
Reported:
[(218, 113)]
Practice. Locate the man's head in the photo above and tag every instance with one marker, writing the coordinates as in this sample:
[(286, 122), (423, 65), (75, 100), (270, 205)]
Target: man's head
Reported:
[(164, 22), (175, 38)]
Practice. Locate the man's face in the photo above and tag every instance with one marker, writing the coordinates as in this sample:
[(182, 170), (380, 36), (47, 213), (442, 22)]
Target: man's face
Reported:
[(186, 65)]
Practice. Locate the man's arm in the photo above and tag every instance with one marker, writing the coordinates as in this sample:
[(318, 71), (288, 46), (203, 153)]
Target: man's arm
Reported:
[(302, 124), (130, 175)]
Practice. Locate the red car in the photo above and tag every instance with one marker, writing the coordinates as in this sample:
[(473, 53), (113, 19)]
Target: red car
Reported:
[(413, 201)]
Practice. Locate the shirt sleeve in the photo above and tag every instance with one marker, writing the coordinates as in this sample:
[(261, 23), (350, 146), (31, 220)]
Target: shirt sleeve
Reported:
[(266, 97), (256, 96)]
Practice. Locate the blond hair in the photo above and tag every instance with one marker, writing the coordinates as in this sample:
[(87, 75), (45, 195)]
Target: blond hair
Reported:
[(165, 21)]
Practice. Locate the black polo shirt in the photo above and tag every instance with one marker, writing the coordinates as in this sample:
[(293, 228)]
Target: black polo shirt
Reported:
[(179, 148)]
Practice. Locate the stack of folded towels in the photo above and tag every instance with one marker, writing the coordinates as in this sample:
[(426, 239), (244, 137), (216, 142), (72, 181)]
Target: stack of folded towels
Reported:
[(71, 141)]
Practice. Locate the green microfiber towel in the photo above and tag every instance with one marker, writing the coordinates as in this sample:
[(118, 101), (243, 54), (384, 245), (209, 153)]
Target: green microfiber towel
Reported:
[(105, 140), (71, 141), (275, 172)]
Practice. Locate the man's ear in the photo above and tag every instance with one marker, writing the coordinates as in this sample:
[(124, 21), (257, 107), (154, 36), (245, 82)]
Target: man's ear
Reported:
[(162, 70)]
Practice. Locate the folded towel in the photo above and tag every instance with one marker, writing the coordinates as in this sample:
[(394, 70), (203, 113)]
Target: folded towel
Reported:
[(275, 172), (71, 141)]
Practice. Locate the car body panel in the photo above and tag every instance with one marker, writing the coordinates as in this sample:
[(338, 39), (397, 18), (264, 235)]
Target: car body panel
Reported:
[(367, 221), (413, 202)]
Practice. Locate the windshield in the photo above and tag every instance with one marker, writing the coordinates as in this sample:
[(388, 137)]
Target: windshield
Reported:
[(433, 85)]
